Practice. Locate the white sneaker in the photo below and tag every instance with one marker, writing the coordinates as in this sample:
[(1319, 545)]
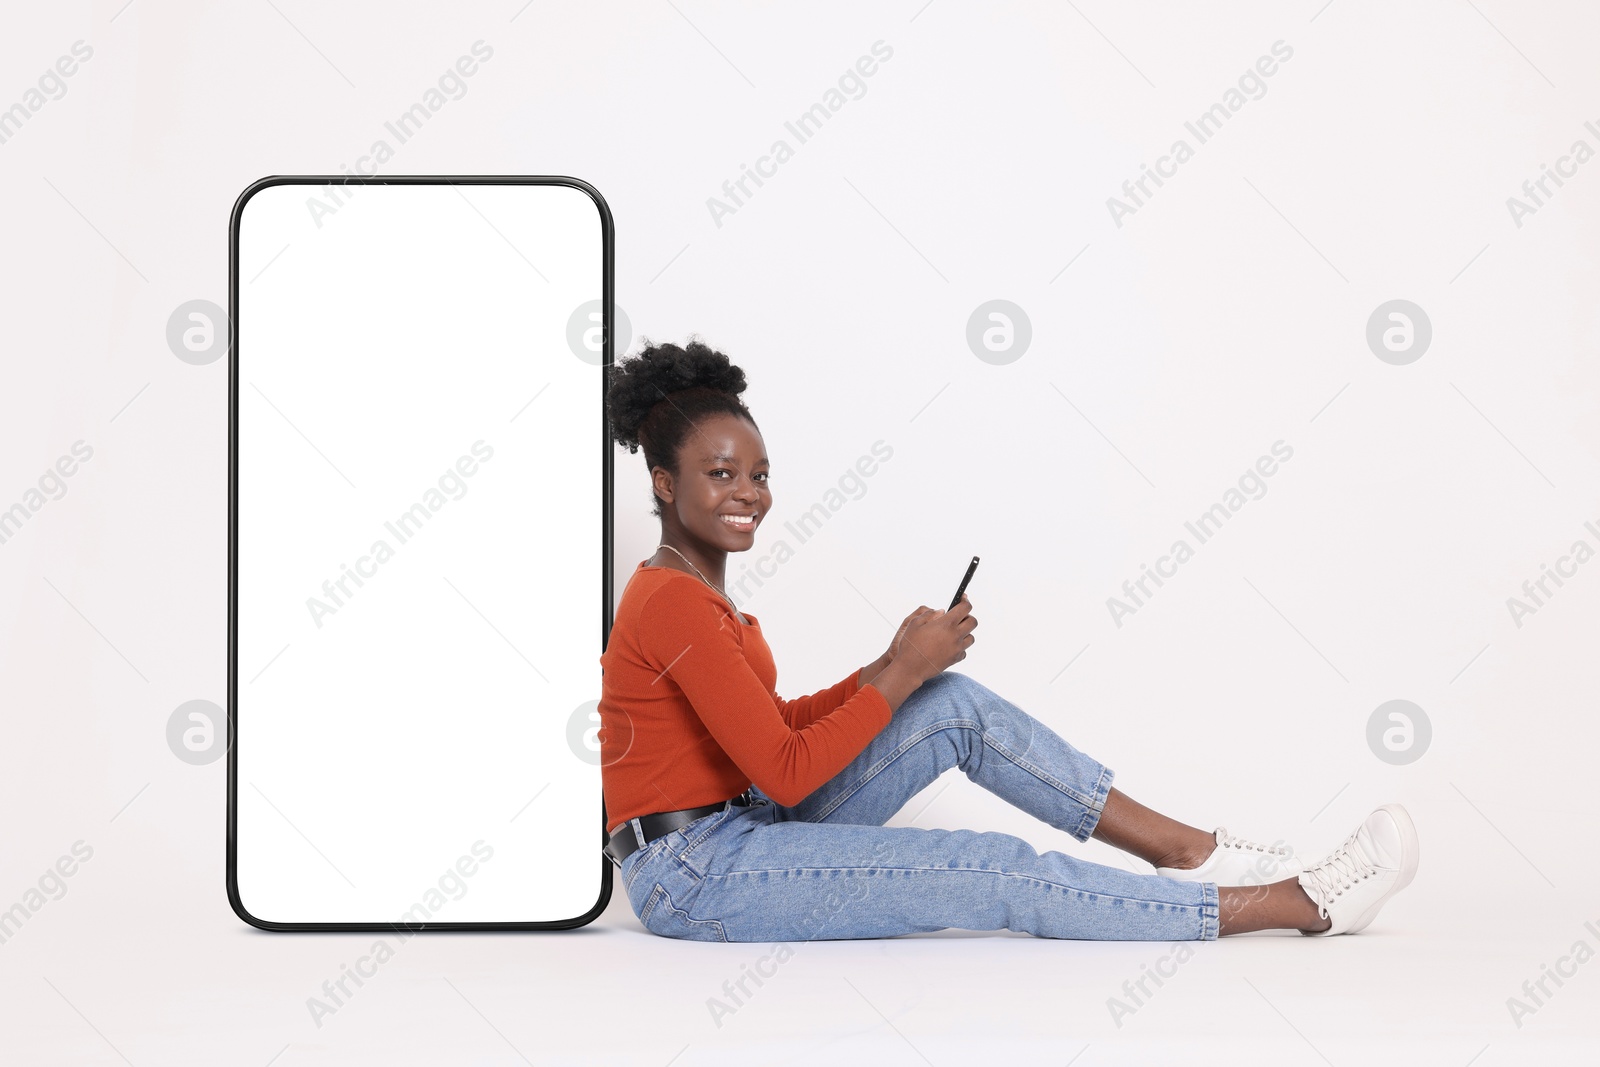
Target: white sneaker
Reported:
[(1358, 877), (1236, 861)]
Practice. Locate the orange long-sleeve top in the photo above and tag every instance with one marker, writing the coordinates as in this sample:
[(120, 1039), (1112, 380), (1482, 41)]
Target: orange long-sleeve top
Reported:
[(689, 710)]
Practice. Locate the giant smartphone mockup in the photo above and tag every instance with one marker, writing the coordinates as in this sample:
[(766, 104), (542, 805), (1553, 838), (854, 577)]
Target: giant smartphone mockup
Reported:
[(419, 552)]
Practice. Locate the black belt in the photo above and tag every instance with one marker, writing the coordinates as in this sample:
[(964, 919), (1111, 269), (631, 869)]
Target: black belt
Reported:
[(623, 842)]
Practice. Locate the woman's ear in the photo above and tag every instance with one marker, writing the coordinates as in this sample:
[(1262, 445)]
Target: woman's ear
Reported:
[(661, 482)]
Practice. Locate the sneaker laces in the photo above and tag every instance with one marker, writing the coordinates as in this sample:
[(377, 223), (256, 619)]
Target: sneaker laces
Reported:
[(1343, 868), (1227, 840)]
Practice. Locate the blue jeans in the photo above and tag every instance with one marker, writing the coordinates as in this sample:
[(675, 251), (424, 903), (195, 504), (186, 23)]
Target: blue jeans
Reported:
[(828, 869)]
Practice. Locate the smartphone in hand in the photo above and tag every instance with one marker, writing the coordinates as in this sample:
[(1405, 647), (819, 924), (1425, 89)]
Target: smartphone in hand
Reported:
[(962, 588)]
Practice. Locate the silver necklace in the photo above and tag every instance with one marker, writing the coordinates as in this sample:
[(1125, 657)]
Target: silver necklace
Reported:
[(703, 578)]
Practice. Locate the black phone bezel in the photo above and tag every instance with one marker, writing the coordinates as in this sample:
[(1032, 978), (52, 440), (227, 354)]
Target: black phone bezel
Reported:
[(605, 560)]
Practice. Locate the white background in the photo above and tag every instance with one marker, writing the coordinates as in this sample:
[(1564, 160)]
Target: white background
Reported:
[(1168, 354)]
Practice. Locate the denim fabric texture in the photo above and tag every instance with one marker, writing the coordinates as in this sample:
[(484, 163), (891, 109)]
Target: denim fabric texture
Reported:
[(828, 869)]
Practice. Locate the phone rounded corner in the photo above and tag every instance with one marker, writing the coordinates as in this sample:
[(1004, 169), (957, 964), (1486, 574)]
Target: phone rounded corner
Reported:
[(250, 191), (607, 224), (236, 902)]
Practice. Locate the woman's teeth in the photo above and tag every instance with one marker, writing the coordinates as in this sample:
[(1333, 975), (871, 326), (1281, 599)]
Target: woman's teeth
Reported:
[(738, 523)]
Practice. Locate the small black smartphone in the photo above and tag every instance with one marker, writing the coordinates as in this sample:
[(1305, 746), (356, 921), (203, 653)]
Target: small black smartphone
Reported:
[(962, 588)]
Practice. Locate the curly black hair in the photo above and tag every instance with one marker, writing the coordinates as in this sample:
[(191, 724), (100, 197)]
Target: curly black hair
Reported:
[(700, 381)]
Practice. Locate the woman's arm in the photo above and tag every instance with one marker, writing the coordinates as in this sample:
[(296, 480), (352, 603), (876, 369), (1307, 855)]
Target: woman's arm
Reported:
[(803, 711), (871, 670), (685, 630)]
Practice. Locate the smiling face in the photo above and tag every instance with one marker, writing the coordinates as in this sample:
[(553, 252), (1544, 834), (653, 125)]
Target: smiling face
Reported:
[(722, 477)]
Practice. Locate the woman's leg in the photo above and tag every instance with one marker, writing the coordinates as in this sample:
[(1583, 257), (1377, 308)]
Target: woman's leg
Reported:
[(1153, 837), (746, 874), (1275, 906), (827, 868), (953, 720)]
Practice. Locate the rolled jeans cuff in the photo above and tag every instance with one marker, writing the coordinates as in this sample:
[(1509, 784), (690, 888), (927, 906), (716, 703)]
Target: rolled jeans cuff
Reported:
[(1096, 806), (1210, 912)]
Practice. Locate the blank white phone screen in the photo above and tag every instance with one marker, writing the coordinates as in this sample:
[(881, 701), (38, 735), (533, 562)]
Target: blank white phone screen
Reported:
[(420, 532)]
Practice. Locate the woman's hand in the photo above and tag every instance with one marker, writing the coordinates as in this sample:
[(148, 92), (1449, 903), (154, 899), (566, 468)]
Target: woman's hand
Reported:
[(894, 646), (929, 641)]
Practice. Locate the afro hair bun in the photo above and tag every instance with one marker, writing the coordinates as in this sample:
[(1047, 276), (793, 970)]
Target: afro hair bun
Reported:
[(635, 386)]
